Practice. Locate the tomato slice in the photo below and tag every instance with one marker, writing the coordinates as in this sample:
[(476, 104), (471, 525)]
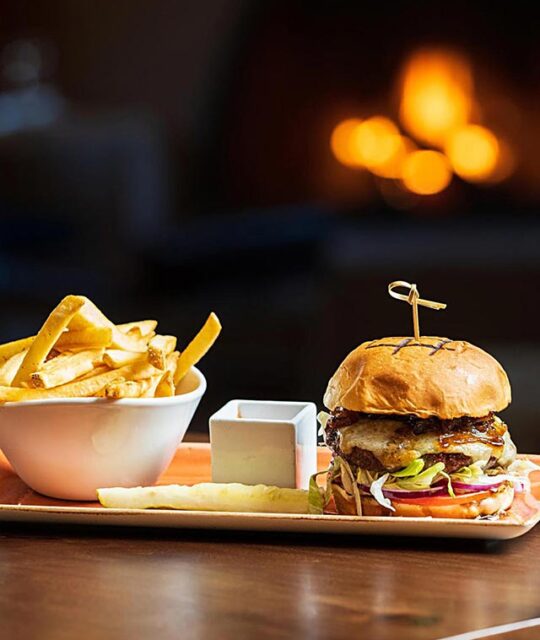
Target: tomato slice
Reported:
[(446, 500)]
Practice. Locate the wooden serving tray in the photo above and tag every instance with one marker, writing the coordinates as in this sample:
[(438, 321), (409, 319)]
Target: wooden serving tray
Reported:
[(18, 503)]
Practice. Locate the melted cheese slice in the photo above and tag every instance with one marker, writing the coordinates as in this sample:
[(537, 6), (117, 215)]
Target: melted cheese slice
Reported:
[(395, 449)]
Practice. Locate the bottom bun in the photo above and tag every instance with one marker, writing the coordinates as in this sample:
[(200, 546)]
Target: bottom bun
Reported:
[(500, 501)]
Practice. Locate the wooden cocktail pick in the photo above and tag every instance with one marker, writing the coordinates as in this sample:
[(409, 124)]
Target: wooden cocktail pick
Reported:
[(414, 299)]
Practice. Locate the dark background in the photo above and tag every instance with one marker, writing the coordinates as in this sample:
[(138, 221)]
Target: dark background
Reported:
[(172, 158)]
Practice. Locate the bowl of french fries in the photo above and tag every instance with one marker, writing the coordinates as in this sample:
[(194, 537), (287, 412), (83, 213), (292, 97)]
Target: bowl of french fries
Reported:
[(86, 403)]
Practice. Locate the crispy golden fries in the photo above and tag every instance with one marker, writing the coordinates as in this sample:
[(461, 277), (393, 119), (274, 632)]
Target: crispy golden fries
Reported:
[(91, 338), (65, 368), (159, 348), (198, 347), (47, 337), (79, 352)]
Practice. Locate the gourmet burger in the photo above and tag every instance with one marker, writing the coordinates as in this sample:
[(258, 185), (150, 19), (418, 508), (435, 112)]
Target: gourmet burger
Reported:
[(414, 431)]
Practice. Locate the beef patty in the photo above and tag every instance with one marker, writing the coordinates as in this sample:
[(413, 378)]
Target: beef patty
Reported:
[(362, 458)]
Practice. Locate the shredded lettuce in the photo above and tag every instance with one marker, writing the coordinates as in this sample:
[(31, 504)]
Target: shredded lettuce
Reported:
[(349, 483), (412, 469), (422, 480), (376, 491), (318, 498), (472, 472), (448, 483)]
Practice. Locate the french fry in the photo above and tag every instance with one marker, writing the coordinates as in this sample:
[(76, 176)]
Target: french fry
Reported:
[(198, 347), (159, 348), (65, 368), (135, 334), (116, 358), (141, 370), (90, 338), (96, 371), (11, 348), (10, 368), (46, 338), (142, 327), (165, 387), (131, 388), (151, 391), (89, 316), (172, 361)]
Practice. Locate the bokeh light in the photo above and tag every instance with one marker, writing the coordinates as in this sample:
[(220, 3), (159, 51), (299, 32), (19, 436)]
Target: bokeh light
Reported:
[(436, 95), (375, 142), (426, 172), (341, 141), (473, 152)]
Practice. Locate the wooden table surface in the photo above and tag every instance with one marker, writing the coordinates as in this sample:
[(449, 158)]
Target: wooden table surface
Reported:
[(77, 582)]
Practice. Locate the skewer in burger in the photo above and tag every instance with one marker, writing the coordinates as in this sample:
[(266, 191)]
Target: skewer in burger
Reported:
[(414, 431)]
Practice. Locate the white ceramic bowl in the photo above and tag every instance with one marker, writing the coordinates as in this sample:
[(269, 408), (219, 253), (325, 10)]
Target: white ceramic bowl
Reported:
[(69, 448)]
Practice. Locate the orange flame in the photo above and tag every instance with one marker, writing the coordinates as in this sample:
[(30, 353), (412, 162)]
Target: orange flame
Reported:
[(374, 144), (341, 142), (473, 152), (436, 95), (426, 172)]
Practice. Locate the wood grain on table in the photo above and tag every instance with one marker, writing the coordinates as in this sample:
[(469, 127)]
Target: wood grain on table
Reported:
[(71, 582)]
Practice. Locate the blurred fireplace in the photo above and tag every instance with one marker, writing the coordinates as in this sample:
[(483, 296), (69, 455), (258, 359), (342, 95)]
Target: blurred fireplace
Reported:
[(302, 69)]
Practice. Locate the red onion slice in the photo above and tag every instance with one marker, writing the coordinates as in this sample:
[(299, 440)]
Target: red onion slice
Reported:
[(466, 487), (404, 493)]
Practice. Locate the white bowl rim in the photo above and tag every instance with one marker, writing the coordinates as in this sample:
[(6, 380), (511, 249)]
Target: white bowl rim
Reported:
[(182, 398)]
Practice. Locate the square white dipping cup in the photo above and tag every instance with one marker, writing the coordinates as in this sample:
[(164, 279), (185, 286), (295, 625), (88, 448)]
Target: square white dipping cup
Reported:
[(264, 442)]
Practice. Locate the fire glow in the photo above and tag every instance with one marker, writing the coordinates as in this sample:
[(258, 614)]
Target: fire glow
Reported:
[(437, 106)]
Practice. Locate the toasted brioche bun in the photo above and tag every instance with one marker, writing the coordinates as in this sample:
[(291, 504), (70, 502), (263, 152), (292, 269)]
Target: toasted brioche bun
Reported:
[(500, 501), (435, 377)]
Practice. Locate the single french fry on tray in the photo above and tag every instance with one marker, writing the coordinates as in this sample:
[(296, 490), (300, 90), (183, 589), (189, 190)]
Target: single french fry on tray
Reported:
[(90, 338), (208, 497), (10, 367), (198, 347), (65, 368), (46, 338), (159, 348)]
